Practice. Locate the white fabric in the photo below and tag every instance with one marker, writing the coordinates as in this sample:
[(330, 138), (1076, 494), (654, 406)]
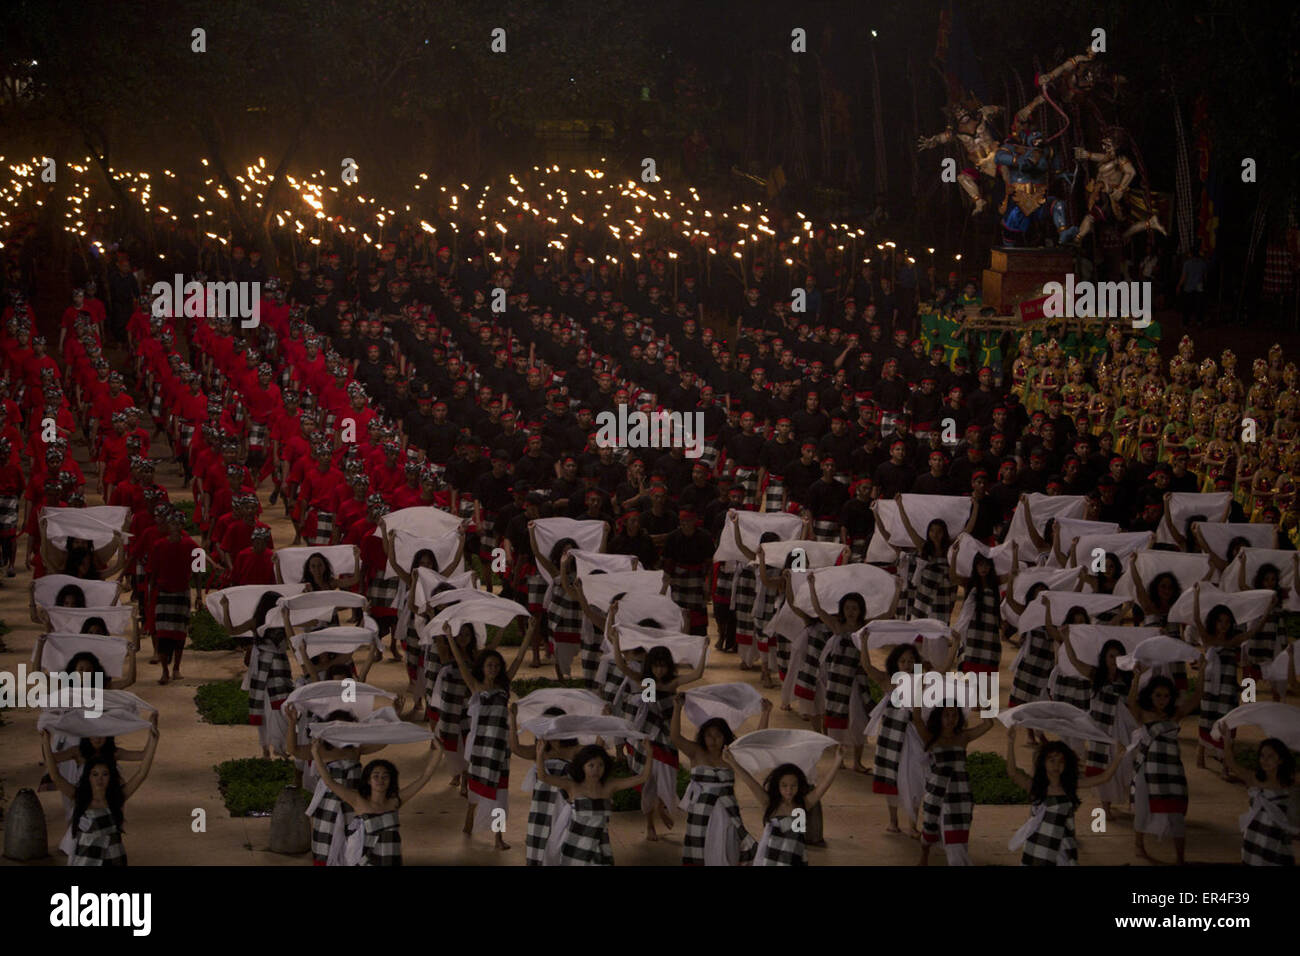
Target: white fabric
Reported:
[(1278, 669), (1121, 545), (321, 698), (762, 751), (656, 607), (752, 526), (96, 523), (45, 591), (571, 700), (444, 547), (1072, 529), (313, 600), (687, 649), (879, 550), (599, 589), (291, 562), (1246, 606), (244, 598), (734, 702), (584, 562), (333, 640), (59, 648), (382, 726), (1088, 640), (953, 510), (425, 581), (1276, 720), (580, 726), (422, 521), (1062, 601), (1187, 568), (1056, 717), (874, 584), (1159, 650), (588, 535), (1219, 534), (1256, 558), (117, 618), (486, 609), (935, 636), (1062, 579), (1044, 508), (74, 723), (1183, 505), (817, 554), (966, 547)]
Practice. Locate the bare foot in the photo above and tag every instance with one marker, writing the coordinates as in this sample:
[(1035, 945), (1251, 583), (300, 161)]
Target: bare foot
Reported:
[(667, 820), (892, 829), (455, 782), (859, 768), (166, 678), (176, 674), (746, 667), (502, 844)]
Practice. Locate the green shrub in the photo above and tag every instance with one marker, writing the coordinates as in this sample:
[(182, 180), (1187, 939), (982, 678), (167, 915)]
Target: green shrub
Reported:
[(631, 799), (251, 786), (523, 686), (207, 635), (1247, 756), (513, 637), (1289, 624), (222, 702), (989, 781)]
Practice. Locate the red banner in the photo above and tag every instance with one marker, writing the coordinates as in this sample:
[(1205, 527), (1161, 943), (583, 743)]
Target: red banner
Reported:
[(1031, 310)]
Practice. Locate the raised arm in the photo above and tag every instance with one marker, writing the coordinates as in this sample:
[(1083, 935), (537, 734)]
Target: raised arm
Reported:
[(137, 778), (819, 791), (459, 654), (1193, 700), (917, 541), (825, 618), (542, 560), (1168, 519), (513, 669), (430, 765), (745, 777), (735, 530), (1139, 588), (684, 745), (543, 774), (1085, 670), (1117, 760), (1039, 541), (52, 768), (349, 796)]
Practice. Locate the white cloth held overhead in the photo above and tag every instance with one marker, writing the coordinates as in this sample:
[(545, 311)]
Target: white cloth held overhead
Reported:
[(753, 524), (45, 590), (290, 563), (733, 702), (1056, 717), (59, 648), (1275, 719), (1183, 506), (762, 751)]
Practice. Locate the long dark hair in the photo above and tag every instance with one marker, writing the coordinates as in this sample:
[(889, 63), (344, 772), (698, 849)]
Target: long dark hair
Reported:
[(1154, 590), (306, 570), (1286, 762), (95, 665), (718, 724), (264, 607), (73, 591), (95, 625), (115, 795), (1154, 684), (503, 677), (773, 787), (576, 773), (660, 655), (896, 653), (929, 549), (78, 553), (1100, 672), (979, 584), (1069, 776), (394, 788), (934, 723)]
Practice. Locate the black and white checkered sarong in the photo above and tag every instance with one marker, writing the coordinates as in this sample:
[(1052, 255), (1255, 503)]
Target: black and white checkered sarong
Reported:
[(383, 839), (1103, 707), (324, 528), (258, 435), (99, 840), (982, 646), (326, 814), (172, 613), (948, 806), (271, 679), (1266, 835), (774, 494), (1029, 680), (8, 513), (935, 591), (586, 842), (690, 587), (1221, 689), (713, 791), (1053, 836), (782, 844), (382, 593), (541, 814), (826, 528), (489, 756), (1160, 766)]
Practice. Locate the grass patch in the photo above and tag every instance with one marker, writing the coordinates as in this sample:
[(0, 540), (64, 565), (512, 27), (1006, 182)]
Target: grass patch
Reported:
[(1289, 624), (989, 781), (524, 686), (207, 635), (513, 636), (251, 786), (222, 702)]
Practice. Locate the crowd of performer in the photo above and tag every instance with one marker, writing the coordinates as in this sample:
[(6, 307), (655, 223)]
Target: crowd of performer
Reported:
[(879, 490)]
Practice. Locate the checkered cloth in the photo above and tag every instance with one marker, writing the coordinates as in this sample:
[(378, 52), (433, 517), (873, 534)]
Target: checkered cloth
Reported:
[(690, 587), (710, 453), (431, 667), (1160, 766), (1103, 707), (465, 507), (774, 494), (889, 748), (155, 405), (713, 790), (1221, 690), (489, 754), (536, 593), (826, 528), (842, 669), (185, 434), (982, 648), (563, 614), (323, 819), (8, 513), (542, 812), (653, 718), (99, 841), (782, 845), (948, 806), (935, 591), (723, 577), (271, 679), (383, 839), (906, 570), (747, 478), (1053, 838), (858, 549), (382, 594), (744, 594), (589, 655), (487, 534), (586, 841), (806, 678), (258, 435), (324, 528), (452, 694), (1071, 690), (172, 613), (1266, 832), (1260, 649), (1034, 669)]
